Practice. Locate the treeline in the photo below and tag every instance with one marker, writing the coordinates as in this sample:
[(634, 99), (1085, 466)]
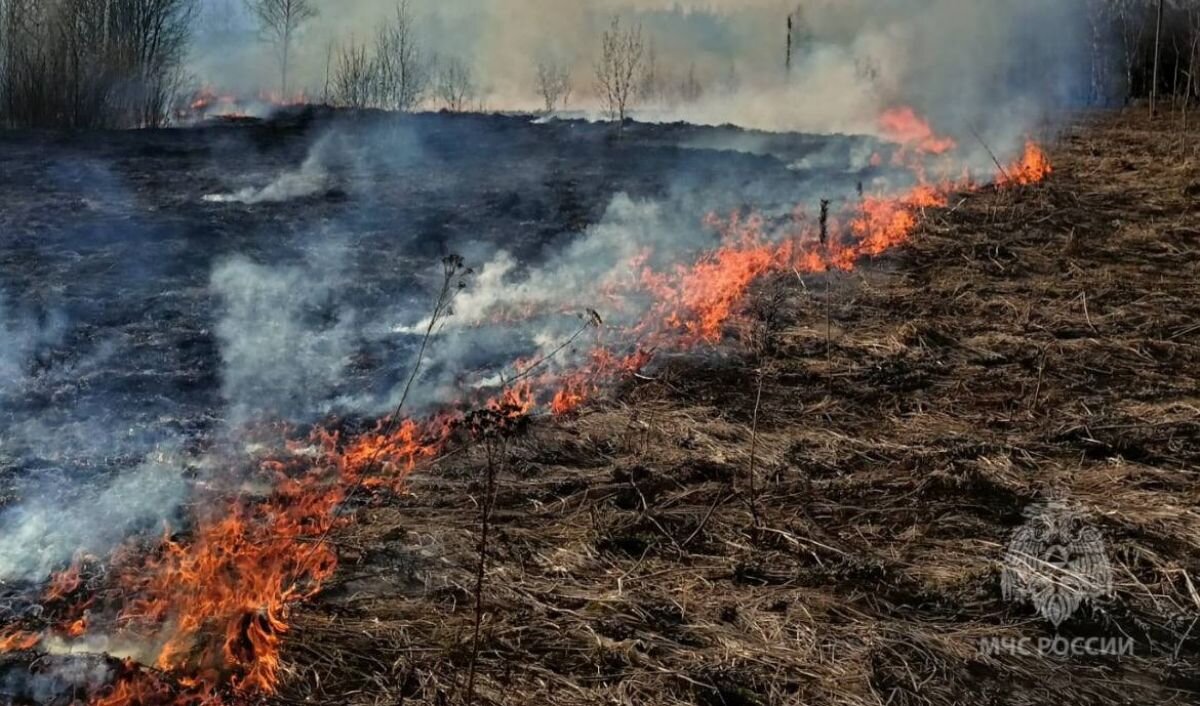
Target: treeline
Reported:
[(91, 63), (119, 63), (1124, 37), (393, 71)]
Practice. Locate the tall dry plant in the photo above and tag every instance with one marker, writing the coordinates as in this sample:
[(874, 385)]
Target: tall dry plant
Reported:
[(492, 426), (824, 235), (454, 279)]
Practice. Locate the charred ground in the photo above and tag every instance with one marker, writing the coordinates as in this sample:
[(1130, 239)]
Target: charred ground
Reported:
[(838, 538), (109, 245)]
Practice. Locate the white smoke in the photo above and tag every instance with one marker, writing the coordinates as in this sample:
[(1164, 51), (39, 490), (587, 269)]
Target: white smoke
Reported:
[(22, 336), (967, 62), (572, 279), (313, 177), (46, 530), (285, 343), (55, 681)]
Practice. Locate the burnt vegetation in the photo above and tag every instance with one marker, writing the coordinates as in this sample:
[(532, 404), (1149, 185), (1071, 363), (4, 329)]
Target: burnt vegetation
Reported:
[(809, 507)]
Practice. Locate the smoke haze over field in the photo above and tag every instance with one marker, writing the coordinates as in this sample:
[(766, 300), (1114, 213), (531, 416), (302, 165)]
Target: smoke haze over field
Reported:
[(291, 341), (960, 61)]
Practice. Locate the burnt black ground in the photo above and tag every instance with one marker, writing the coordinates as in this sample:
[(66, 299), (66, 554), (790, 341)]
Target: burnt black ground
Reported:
[(107, 248)]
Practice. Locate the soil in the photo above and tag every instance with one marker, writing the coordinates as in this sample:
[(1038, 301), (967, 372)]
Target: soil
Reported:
[(820, 515)]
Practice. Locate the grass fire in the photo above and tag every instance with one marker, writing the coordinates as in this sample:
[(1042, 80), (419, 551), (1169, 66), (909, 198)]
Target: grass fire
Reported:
[(616, 352)]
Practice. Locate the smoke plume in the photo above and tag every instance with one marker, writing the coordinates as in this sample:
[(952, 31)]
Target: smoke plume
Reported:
[(965, 62), (47, 530)]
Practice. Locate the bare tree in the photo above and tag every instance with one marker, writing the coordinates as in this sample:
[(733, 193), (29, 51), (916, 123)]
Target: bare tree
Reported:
[(799, 35), (1190, 64), (395, 74), (401, 71), (455, 84), (1193, 71), (353, 80), (1158, 23), (150, 40), (1131, 20), (554, 84), (1099, 14), (618, 69), (648, 84), (91, 63), (279, 20), (690, 89)]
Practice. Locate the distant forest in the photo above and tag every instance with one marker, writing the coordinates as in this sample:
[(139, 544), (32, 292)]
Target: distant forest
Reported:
[(123, 63)]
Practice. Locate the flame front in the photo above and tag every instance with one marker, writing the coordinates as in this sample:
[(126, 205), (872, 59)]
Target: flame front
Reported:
[(1033, 168), (903, 126), (212, 602)]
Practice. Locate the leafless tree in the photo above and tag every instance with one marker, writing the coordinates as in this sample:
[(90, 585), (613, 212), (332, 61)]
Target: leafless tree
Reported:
[(648, 84), (690, 89), (1190, 64), (279, 20), (619, 67), (799, 35), (401, 70), (1192, 74), (455, 84), (353, 80), (1099, 14), (394, 74), (732, 81), (1131, 20), (150, 39), (554, 84), (91, 63)]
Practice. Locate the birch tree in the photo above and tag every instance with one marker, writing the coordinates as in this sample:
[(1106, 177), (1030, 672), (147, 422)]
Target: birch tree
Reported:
[(279, 21), (401, 69)]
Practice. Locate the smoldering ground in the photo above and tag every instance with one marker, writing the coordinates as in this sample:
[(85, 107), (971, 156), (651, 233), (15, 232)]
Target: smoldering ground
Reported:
[(143, 325)]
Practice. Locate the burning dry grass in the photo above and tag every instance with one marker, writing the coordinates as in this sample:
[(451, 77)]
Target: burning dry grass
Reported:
[(816, 519), (1025, 345)]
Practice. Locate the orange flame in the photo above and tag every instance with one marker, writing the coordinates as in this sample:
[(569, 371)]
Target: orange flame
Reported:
[(903, 126), (17, 640), (1033, 168), (217, 603)]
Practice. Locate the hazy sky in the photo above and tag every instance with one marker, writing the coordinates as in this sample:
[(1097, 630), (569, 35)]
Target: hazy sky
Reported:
[(959, 60)]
